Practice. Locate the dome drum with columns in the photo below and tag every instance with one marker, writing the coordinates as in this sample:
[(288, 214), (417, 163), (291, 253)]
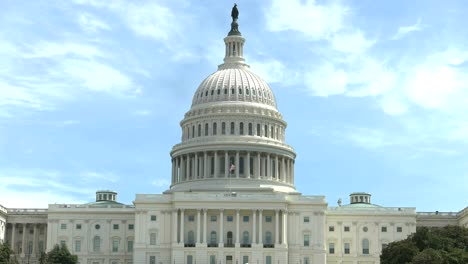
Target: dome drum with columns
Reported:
[(233, 137)]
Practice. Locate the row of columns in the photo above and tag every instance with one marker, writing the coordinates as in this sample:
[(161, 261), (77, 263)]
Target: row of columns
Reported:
[(195, 166), (232, 128), (24, 240), (234, 48), (179, 232)]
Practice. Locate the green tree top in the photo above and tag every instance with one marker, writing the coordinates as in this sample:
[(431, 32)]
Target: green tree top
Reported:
[(59, 254), (429, 245)]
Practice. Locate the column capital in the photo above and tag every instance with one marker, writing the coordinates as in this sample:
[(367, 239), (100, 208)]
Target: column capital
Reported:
[(205, 210), (285, 211), (221, 209)]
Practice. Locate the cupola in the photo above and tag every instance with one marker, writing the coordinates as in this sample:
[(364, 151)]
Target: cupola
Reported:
[(360, 198)]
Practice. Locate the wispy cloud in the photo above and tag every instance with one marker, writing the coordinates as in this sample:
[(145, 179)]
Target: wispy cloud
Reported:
[(405, 30), (91, 23), (308, 17), (37, 188), (92, 176), (160, 182)]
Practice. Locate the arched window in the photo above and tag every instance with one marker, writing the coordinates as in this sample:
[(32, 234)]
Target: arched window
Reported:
[(191, 238), (258, 130), (213, 237), (223, 128), (250, 129), (206, 129), (268, 239), (225, 90), (232, 128), (365, 246), (193, 131), (240, 90), (229, 238), (245, 238), (199, 130), (271, 132), (247, 91), (266, 131), (215, 128), (241, 128), (97, 244)]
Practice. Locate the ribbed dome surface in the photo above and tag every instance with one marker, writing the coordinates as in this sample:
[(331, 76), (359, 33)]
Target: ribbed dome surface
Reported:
[(236, 84)]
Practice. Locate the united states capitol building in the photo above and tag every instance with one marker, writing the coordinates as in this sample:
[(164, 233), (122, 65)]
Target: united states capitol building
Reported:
[(232, 198)]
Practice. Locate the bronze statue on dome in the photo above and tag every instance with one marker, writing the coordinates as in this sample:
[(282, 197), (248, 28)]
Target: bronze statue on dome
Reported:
[(235, 13)]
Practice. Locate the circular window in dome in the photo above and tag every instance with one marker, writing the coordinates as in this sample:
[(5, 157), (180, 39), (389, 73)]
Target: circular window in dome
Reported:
[(365, 229), (97, 227)]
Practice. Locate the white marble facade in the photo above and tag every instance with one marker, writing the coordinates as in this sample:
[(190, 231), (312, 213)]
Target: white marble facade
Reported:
[(232, 198)]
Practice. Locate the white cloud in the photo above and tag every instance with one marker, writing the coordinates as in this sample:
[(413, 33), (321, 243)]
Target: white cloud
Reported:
[(357, 76), (97, 76), (308, 17), (270, 70), (70, 122), (37, 188), (148, 19), (49, 50), (92, 176), (351, 42), (403, 31), (143, 112), (91, 23), (161, 182)]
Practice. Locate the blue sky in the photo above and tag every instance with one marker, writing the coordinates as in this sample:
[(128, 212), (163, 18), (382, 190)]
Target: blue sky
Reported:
[(375, 94)]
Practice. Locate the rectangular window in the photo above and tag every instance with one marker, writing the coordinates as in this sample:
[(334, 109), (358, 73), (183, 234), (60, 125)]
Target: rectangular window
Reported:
[(41, 246), (78, 226), (331, 229), (306, 260), (399, 229), (153, 239), (191, 218), (268, 218), (152, 260), (153, 217), (346, 248), (63, 226), (212, 259), (115, 245), (306, 240), (77, 245), (245, 259), (346, 228), (229, 218), (306, 219), (131, 226), (268, 260), (213, 218), (246, 218), (116, 227), (189, 259), (63, 243), (384, 229), (130, 246), (331, 248)]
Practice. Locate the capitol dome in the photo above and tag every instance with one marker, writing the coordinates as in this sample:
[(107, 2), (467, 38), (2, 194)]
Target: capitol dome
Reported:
[(233, 136)]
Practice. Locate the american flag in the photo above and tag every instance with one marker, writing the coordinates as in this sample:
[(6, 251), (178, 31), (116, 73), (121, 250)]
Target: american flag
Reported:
[(233, 168)]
